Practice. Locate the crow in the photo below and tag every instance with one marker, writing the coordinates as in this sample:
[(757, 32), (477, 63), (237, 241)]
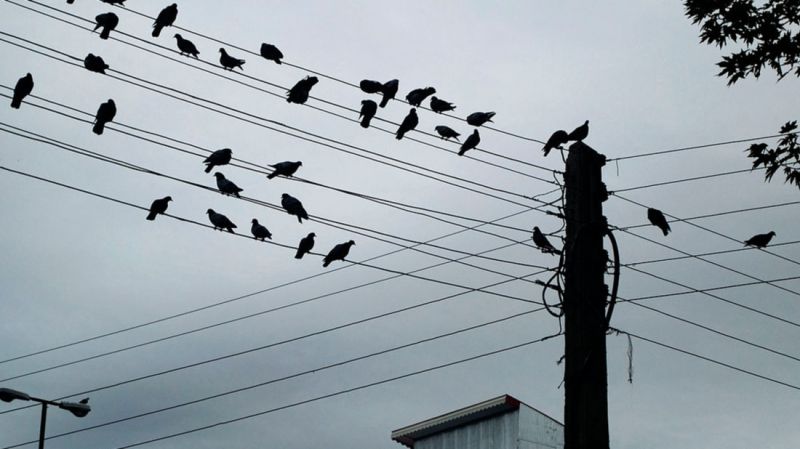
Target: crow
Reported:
[(410, 122), (339, 252), (105, 114), (471, 142), (542, 243), (558, 138), (159, 206), (580, 132), (165, 18), (368, 110), (22, 89)]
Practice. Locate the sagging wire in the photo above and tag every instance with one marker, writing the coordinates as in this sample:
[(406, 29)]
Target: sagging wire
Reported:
[(615, 284)]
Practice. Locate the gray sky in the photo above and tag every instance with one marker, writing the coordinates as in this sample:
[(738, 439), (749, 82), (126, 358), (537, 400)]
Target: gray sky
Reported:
[(77, 266)]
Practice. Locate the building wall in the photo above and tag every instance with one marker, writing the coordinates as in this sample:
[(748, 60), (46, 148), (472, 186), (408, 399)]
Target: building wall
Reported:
[(538, 431), (498, 432)]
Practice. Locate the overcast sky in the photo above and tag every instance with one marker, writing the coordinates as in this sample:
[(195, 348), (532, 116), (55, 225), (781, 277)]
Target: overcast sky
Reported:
[(77, 266)]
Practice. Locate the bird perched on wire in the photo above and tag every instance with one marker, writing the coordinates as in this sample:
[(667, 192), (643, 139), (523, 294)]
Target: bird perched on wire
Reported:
[(579, 133), (658, 219), (114, 2), (84, 401), (271, 52), (186, 46), (389, 90), (228, 62), (440, 106), (410, 122), (339, 252), (447, 132), (305, 246), (294, 207), (760, 240), (108, 22), (556, 140), (368, 110), (220, 221), (219, 157), (479, 118), (299, 92), (417, 96), (159, 206), (95, 64), (471, 142), (165, 18), (542, 243), (259, 231), (226, 186), (370, 86), (105, 114), (286, 168), (22, 89)]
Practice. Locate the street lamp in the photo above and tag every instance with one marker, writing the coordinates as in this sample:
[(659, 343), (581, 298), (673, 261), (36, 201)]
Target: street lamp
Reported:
[(79, 409)]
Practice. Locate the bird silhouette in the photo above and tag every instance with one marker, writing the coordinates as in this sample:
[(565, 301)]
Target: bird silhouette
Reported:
[(219, 157), (228, 62), (105, 114), (286, 168), (657, 218), (159, 206), (417, 96), (440, 106), (305, 246), (95, 63), (760, 240), (446, 132), (226, 186), (271, 52), (370, 86), (368, 110), (69, 2), (186, 46), (580, 132), (114, 2), (389, 90), (410, 122), (471, 142), (260, 232), (541, 242), (84, 400), (108, 22), (294, 207), (479, 118), (220, 221), (557, 139), (301, 90), (339, 252), (22, 89), (165, 18)]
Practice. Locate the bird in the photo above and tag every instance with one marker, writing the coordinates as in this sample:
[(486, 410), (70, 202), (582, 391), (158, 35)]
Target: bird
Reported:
[(105, 114), (305, 246), (300, 91), (159, 206), (114, 2), (69, 2), (229, 62), (84, 401), (471, 142), (580, 132), (370, 86), (271, 52), (165, 18), (220, 221), (186, 46), (542, 243), (260, 232), (219, 157), (760, 240), (657, 218), (389, 90), (226, 186), (286, 168), (417, 96), (95, 63), (368, 110), (447, 132), (108, 22), (410, 122), (479, 118), (557, 139), (22, 89), (440, 106), (294, 207), (339, 252)]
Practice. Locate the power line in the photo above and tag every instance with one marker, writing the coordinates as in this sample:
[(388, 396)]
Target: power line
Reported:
[(719, 214), (712, 253), (697, 147), (682, 180), (709, 289)]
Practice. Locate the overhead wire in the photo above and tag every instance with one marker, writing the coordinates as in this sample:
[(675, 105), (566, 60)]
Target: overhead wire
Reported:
[(720, 214), (710, 289), (696, 147), (711, 253), (682, 180)]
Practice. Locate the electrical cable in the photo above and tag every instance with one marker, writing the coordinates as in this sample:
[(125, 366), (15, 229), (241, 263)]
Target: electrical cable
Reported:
[(697, 147), (710, 289), (719, 214), (682, 180), (713, 253)]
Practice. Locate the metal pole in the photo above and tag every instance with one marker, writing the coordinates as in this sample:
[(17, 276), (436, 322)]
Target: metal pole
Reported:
[(42, 425)]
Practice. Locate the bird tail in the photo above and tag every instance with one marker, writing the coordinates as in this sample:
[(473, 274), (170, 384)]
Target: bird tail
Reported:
[(384, 102), (461, 152), (272, 175), (299, 254), (666, 231), (16, 102), (326, 262), (98, 128), (546, 150), (156, 30), (105, 33), (209, 167), (151, 216), (365, 122)]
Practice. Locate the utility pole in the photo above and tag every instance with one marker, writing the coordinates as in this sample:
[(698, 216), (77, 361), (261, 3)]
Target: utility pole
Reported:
[(585, 293)]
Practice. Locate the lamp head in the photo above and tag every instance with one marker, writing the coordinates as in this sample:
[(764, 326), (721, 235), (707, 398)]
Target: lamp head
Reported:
[(76, 408), (8, 395)]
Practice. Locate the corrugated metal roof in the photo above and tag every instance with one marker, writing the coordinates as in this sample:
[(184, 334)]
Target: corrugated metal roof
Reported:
[(460, 417)]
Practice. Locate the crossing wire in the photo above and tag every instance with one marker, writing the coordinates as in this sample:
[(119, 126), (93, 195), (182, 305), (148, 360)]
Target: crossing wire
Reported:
[(712, 253), (709, 289), (720, 214)]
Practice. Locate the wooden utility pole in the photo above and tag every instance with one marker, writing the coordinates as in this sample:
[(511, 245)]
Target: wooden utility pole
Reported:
[(585, 384)]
